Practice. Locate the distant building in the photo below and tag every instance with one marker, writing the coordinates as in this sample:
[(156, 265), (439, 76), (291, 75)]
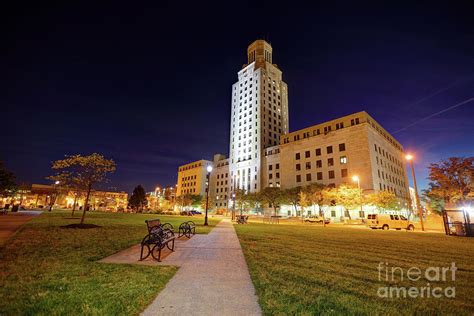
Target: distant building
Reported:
[(264, 154), (192, 178), (42, 195)]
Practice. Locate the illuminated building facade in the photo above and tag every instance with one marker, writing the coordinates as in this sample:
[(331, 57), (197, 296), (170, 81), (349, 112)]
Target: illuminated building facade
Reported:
[(263, 153)]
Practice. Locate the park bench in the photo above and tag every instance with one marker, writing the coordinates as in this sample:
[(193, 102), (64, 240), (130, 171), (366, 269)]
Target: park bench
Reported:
[(152, 224), (187, 229), (241, 219), (159, 236)]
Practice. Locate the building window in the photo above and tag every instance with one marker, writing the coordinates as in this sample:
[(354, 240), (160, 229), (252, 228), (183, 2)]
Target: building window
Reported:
[(270, 167), (308, 165), (318, 151), (342, 147), (298, 178), (307, 154), (298, 167), (319, 175), (319, 163), (308, 177), (277, 166), (343, 173), (331, 174), (278, 175), (343, 160), (297, 156), (330, 162), (329, 149)]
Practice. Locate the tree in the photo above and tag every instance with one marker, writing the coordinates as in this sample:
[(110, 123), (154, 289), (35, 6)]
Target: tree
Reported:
[(7, 181), (292, 196), (138, 198), (273, 196), (452, 180), (383, 200), (434, 198), (185, 200), (202, 202), (253, 200), (85, 171), (304, 201), (240, 199), (315, 192), (347, 196)]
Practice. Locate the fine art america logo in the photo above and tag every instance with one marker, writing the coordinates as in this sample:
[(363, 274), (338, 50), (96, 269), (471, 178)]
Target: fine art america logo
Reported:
[(393, 275)]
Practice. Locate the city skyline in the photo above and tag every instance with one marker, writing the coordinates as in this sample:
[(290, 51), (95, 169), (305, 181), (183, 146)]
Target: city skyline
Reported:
[(110, 100)]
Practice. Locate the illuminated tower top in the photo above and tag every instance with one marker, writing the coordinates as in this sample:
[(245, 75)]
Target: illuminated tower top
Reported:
[(259, 52)]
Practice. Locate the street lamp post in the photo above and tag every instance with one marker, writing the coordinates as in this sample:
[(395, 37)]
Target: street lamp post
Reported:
[(357, 179), (209, 170), (53, 201), (233, 206), (417, 198)]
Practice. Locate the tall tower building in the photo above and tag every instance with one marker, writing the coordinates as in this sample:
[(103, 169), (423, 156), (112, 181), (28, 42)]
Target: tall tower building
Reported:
[(259, 115)]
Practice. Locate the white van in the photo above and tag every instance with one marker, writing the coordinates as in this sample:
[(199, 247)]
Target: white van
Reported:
[(386, 222)]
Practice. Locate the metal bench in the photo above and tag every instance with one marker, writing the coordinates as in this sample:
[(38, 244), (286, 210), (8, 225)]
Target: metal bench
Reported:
[(155, 242), (152, 224), (187, 229), (242, 219)]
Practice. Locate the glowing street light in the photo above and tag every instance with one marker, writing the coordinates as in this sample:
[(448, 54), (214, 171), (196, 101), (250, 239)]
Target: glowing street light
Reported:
[(209, 170), (409, 158)]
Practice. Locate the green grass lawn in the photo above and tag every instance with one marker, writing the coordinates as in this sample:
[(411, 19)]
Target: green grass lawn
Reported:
[(311, 270), (49, 270)]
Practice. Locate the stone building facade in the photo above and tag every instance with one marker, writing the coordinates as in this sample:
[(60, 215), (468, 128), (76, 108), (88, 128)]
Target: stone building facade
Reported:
[(192, 178), (264, 154)]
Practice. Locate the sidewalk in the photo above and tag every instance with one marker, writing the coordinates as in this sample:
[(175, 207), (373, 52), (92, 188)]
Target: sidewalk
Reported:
[(213, 278), (11, 222)]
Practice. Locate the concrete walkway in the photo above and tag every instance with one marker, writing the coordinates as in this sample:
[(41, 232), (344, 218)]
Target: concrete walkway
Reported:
[(11, 222), (213, 278)]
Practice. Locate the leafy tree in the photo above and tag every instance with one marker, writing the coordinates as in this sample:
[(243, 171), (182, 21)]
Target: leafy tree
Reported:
[(85, 171), (303, 201), (292, 196), (185, 200), (383, 200), (202, 202), (452, 180), (434, 198), (273, 196), (138, 198), (315, 192), (253, 200), (241, 199), (347, 196), (7, 180)]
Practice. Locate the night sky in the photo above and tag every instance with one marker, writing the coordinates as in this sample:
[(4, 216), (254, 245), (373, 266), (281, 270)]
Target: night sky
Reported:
[(150, 86)]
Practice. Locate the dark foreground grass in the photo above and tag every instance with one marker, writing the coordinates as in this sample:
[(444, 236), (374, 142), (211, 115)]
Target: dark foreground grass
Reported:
[(49, 270), (314, 270)]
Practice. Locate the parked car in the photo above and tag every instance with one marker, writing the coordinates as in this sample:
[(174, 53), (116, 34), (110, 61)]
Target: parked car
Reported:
[(186, 213), (386, 222), (317, 219), (196, 212)]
